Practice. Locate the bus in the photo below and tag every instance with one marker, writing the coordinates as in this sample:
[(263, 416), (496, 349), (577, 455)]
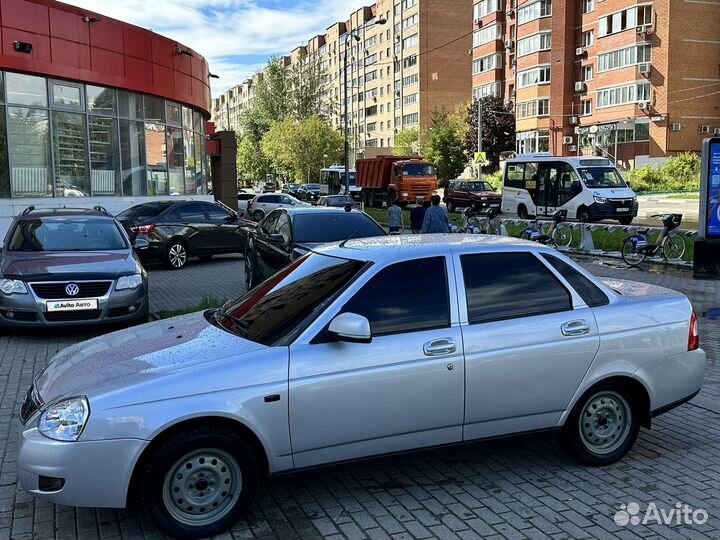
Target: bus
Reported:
[(332, 181), (589, 188)]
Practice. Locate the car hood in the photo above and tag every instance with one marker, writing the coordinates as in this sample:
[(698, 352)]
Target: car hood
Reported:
[(137, 355), (613, 193), (71, 265), (493, 194)]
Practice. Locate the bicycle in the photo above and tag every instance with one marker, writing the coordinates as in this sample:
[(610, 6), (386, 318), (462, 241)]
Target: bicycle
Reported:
[(672, 246), (558, 235), (481, 222)]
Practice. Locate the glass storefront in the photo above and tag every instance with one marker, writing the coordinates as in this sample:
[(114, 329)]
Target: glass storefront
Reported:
[(533, 142), (67, 139)]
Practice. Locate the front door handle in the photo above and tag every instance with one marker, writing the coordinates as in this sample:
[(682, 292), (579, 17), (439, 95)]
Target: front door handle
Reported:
[(575, 328), (439, 347)]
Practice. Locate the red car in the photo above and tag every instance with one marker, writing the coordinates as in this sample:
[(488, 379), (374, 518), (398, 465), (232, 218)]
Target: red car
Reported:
[(463, 193)]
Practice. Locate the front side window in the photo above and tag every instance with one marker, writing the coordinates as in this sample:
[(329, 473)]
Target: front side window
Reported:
[(67, 234), (502, 286), (390, 312)]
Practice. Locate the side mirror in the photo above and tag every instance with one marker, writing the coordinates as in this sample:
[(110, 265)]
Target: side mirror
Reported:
[(277, 239), (351, 327), (231, 219), (140, 244)]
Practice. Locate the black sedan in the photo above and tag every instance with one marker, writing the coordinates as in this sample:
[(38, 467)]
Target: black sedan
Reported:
[(291, 189), (177, 230), (286, 233), (309, 192)]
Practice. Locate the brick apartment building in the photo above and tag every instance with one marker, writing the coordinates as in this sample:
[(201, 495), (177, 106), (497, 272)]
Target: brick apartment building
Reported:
[(635, 80), (227, 109), (405, 59)]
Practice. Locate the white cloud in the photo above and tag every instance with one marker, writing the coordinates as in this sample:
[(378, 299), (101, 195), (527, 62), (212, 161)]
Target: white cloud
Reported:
[(223, 30)]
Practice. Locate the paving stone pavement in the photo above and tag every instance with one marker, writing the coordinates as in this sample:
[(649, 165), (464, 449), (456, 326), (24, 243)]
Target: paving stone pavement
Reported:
[(507, 489)]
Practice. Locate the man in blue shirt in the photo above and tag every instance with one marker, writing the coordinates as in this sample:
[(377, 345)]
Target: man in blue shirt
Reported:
[(436, 218), (395, 218)]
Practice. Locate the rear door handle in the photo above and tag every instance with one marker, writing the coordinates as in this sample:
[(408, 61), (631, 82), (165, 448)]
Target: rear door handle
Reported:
[(575, 328), (439, 347)]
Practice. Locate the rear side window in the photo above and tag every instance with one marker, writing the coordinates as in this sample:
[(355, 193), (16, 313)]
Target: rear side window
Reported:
[(192, 212), (391, 311), (588, 291), (510, 285)]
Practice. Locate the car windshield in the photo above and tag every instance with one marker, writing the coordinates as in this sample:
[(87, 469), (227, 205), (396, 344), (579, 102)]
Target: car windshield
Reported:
[(418, 170), (339, 200), (67, 234), (334, 227), (312, 186), (275, 310), (144, 211), (602, 177), (480, 186)]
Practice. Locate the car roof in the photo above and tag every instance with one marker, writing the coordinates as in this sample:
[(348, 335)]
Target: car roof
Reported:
[(63, 212), (398, 247), (317, 210), (577, 161)]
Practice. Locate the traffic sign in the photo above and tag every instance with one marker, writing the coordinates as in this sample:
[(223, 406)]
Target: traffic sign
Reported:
[(481, 158)]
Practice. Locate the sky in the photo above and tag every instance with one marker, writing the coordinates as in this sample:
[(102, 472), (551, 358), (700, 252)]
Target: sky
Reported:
[(235, 36)]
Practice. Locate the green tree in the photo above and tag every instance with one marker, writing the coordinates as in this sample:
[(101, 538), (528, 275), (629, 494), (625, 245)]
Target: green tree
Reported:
[(407, 142), (445, 145), (498, 128), (252, 163), (302, 146)]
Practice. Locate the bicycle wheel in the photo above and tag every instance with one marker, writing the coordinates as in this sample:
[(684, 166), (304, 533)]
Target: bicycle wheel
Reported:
[(562, 236), (674, 247), (630, 255)]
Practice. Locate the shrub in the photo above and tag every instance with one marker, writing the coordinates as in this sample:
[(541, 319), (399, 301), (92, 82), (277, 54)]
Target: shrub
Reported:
[(679, 173)]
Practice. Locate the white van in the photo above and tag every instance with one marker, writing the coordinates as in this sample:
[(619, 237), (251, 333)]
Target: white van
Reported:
[(589, 188)]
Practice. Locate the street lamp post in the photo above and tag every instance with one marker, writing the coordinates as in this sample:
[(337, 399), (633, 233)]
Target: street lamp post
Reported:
[(356, 37)]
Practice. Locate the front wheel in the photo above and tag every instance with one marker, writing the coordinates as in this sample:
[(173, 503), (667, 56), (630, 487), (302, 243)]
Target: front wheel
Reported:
[(562, 236), (625, 220), (199, 483), (603, 426), (674, 247), (630, 254)]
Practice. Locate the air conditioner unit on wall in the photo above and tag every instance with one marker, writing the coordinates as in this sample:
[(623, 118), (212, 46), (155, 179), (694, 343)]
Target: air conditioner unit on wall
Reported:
[(677, 126), (580, 86), (643, 105), (509, 44), (477, 20), (568, 139), (704, 128), (572, 148), (716, 131), (573, 120), (579, 51), (644, 69)]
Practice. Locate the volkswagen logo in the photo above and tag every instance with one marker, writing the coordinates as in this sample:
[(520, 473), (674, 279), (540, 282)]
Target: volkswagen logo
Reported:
[(71, 289)]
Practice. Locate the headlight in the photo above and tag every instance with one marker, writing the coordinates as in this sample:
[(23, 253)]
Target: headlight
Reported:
[(404, 194), (65, 420), (600, 200), (129, 282), (12, 286)]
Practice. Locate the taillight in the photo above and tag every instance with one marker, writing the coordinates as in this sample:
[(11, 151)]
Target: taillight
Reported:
[(143, 229), (693, 340)]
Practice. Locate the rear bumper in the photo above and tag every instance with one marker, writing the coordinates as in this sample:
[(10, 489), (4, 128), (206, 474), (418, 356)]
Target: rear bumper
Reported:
[(673, 380)]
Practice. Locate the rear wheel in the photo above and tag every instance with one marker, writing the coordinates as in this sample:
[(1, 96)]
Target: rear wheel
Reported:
[(258, 215), (630, 254), (674, 247), (522, 212), (562, 236), (583, 215), (199, 483), (603, 426), (177, 255)]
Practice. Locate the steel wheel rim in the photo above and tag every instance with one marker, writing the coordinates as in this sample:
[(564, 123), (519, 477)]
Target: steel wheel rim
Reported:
[(177, 255), (202, 487), (631, 255), (605, 422)]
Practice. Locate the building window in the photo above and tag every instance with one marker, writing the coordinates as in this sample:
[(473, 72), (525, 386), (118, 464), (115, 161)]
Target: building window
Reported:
[(486, 63), (486, 35), (534, 76), (491, 89), (533, 108), (26, 90), (642, 132), (622, 95), (130, 105), (410, 80), (531, 142), (586, 107), (410, 61), (408, 4), (29, 148), (410, 99), (587, 73), (485, 7), (411, 41), (370, 76), (104, 156), (542, 8), (156, 154), (67, 95), (535, 43), (588, 6), (411, 119), (625, 19), (410, 21), (587, 39), (629, 56), (175, 160), (101, 100), (70, 153)]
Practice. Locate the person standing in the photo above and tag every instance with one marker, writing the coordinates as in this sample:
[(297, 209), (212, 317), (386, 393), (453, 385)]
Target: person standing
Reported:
[(417, 215), (436, 218), (395, 218)]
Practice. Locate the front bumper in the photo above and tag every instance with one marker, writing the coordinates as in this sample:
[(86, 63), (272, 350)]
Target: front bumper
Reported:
[(93, 473), (613, 210), (29, 310)]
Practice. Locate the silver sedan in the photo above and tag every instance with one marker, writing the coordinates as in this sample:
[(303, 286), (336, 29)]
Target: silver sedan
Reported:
[(357, 349)]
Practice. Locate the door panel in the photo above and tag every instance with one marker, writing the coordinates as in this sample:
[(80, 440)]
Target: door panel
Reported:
[(195, 227), (225, 236)]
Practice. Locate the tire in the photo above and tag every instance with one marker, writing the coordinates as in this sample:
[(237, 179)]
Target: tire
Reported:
[(562, 236), (191, 504), (629, 255), (674, 247), (522, 212), (450, 206), (176, 255), (603, 426), (583, 216), (625, 220), (250, 274), (258, 215)]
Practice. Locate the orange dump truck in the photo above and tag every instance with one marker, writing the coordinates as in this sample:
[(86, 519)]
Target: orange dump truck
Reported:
[(385, 178)]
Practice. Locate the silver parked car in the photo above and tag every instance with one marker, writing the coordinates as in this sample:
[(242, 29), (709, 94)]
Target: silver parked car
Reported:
[(326, 362)]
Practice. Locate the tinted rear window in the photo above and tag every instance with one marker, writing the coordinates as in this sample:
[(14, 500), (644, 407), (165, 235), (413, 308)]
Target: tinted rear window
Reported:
[(321, 227), (588, 291), (67, 234), (144, 211)]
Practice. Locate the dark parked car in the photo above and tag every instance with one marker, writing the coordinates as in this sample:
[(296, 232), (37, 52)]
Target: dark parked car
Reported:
[(338, 201), (291, 189), (177, 230), (463, 193), (70, 266), (309, 192), (283, 234)]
